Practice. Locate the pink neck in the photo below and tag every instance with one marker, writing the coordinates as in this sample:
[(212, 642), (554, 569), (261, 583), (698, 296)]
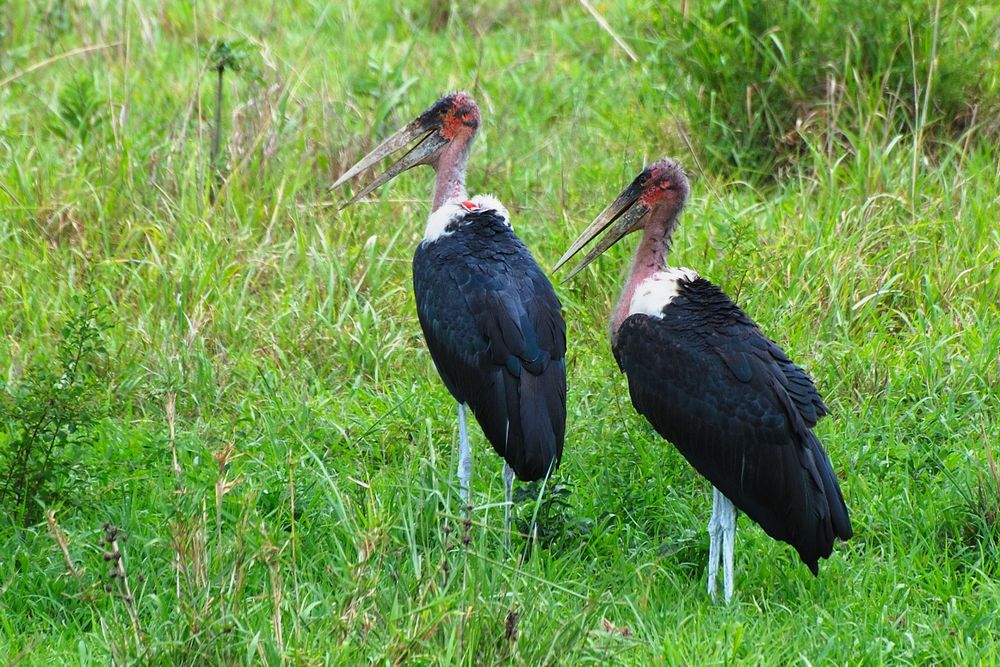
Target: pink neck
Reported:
[(450, 168), (650, 257)]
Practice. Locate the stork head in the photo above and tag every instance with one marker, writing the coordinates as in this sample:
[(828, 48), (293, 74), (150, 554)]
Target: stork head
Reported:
[(442, 133), (653, 199)]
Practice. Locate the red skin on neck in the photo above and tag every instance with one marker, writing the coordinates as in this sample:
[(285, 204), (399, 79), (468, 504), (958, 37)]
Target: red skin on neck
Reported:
[(450, 168), (451, 164), (665, 204), (650, 257)]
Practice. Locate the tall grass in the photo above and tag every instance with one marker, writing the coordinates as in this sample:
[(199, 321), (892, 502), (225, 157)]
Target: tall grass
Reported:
[(273, 439), (760, 81)]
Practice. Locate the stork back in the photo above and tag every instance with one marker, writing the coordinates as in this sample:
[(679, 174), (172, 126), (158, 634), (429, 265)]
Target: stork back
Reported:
[(495, 331), (739, 411)]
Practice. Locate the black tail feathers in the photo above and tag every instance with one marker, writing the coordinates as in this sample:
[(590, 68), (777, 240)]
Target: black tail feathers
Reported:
[(524, 418), (832, 520), (839, 519), (536, 409)]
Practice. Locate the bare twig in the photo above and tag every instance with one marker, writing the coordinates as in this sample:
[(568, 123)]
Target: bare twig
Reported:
[(291, 518), (601, 21), (112, 537), (272, 555), (170, 407), (60, 537), (216, 173)]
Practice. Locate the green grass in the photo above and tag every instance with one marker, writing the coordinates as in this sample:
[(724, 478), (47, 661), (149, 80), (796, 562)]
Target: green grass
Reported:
[(769, 78), (312, 517)]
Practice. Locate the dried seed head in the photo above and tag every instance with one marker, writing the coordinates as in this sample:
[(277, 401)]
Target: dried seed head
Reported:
[(113, 572), (108, 555), (511, 631)]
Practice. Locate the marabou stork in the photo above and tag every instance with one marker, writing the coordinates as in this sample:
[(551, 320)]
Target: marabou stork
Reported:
[(492, 321), (709, 381)]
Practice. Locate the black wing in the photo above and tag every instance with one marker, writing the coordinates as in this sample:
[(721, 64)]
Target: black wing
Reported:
[(739, 411), (494, 328)]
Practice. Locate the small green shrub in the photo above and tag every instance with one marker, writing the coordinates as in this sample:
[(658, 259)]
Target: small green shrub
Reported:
[(80, 112), (51, 413)]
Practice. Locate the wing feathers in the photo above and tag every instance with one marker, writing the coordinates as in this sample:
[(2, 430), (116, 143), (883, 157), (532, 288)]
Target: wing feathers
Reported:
[(740, 411), (495, 330)]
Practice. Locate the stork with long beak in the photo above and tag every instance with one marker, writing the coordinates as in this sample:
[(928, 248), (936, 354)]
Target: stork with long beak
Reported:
[(490, 317), (709, 381)]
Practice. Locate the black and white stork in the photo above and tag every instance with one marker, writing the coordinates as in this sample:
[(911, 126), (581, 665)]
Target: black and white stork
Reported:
[(709, 381), (492, 321)]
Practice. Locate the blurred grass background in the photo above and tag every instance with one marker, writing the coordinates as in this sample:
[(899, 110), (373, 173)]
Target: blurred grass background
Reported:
[(198, 350)]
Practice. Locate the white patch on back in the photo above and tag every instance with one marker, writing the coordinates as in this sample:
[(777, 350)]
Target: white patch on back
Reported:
[(455, 209), (657, 291), (489, 201)]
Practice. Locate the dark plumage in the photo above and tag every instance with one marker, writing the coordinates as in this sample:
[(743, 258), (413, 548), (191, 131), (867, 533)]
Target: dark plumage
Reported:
[(494, 329), (490, 316), (740, 412), (700, 370)]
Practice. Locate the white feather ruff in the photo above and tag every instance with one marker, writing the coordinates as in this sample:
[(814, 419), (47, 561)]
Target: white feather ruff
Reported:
[(657, 291), (455, 209)]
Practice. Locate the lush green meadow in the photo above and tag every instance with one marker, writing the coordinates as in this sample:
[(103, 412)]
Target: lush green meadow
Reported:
[(203, 354)]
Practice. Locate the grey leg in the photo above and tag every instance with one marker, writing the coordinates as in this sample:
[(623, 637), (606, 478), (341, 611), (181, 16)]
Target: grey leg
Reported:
[(714, 542), (508, 483), (721, 534), (728, 547), (464, 455)]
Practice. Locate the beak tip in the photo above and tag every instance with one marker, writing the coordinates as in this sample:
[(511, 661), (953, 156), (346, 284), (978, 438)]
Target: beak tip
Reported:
[(576, 270), (343, 178), (352, 200)]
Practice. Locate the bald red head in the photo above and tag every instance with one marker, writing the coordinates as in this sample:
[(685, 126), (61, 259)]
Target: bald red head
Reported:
[(454, 116), (664, 185)]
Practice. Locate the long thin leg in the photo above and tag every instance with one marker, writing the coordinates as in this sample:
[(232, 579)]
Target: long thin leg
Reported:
[(508, 484), (464, 455), (721, 534), (728, 547), (714, 542)]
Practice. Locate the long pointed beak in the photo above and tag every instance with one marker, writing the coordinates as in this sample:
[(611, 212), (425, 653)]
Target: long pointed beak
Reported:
[(623, 213), (431, 142)]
